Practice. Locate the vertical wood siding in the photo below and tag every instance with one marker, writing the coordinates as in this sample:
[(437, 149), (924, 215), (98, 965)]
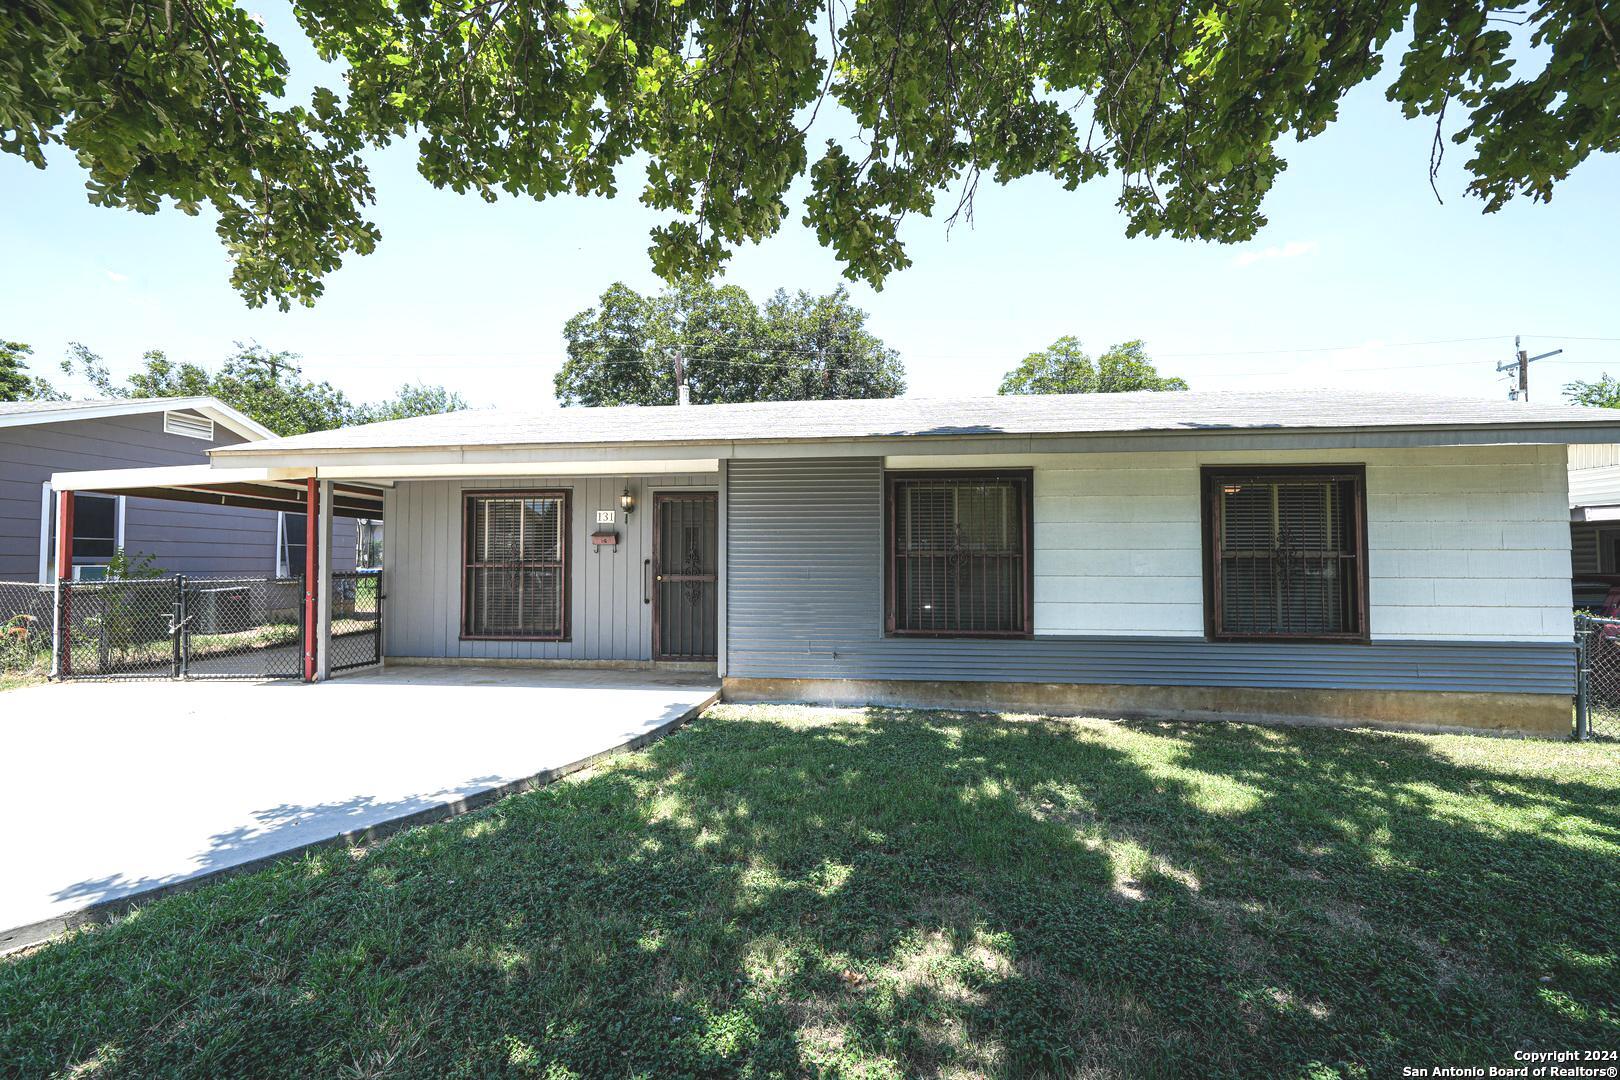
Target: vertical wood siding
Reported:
[(422, 569)]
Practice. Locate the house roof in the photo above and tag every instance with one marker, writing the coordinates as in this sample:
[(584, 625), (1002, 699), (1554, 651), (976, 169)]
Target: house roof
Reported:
[(26, 413), (1176, 412)]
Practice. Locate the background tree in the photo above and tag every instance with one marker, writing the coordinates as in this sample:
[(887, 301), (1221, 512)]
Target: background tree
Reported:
[(1064, 368), (266, 385), (797, 348), (412, 399), (1603, 393), (15, 382), (184, 101)]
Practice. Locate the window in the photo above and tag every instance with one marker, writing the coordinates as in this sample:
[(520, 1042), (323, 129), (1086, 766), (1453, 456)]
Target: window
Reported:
[(515, 566), (1285, 553), (98, 530), (291, 544), (958, 554), (95, 526)]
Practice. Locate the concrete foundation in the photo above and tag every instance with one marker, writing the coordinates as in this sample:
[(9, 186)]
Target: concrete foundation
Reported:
[(693, 667), (1540, 715)]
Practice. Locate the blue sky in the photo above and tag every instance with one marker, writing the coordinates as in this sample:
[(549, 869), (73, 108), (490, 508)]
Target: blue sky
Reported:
[(1360, 279)]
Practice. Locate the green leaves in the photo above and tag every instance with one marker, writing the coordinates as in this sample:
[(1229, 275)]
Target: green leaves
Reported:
[(266, 385), (1064, 368), (1602, 393), (797, 347), (180, 102)]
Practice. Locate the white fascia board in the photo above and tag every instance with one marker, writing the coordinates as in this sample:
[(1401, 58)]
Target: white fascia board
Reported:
[(404, 470), (233, 419), (169, 476), (221, 413), (405, 459), (1595, 513)]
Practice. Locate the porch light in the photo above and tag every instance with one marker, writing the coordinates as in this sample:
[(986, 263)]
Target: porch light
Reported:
[(627, 502)]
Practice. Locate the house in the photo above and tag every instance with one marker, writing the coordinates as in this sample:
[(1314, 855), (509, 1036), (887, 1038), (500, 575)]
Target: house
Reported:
[(1594, 522), (1335, 556), (38, 438)]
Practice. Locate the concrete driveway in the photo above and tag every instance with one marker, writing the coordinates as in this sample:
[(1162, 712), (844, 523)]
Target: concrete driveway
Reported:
[(111, 790)]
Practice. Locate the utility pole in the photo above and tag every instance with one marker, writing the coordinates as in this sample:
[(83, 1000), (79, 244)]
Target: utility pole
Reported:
[(683, 394), (1521, 364)]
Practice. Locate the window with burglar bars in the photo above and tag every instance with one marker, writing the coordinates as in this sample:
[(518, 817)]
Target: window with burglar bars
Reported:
[(959, 555), (1286, 553), (515, 574)]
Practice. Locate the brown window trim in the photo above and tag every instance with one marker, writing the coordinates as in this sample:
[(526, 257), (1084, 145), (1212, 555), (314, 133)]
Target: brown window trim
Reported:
[(567, 497), (890, 481), (1213, 476)]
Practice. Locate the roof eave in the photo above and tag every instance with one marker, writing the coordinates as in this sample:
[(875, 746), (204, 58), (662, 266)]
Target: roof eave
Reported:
[(1600, 432)]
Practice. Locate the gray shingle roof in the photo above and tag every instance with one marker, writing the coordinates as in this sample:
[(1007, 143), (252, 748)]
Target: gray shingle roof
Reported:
[(17, 408), (1075, 414)]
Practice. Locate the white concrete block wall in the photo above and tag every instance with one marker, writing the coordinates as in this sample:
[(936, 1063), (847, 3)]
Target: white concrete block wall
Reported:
[(1467, 543)]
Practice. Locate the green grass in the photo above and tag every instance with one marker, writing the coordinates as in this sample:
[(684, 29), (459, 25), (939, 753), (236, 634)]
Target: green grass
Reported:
[(779, 891)]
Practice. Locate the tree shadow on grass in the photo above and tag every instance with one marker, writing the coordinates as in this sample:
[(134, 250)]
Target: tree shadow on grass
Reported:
[(784, 892)]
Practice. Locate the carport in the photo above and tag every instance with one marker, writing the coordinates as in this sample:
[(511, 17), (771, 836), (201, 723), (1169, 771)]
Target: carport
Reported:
[(139, 788), (294, 490)]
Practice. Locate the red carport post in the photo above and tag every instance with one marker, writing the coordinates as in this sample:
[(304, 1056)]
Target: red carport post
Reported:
[(64, 575), (312, 501)]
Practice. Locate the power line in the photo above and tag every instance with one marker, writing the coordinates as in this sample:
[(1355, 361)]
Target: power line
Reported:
[(1329, 348)]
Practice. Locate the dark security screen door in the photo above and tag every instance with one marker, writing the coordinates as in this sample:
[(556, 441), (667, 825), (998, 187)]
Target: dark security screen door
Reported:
[(685, 568)]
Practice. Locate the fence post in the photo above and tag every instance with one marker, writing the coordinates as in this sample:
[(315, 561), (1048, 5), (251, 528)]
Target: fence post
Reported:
[(177, 627), (1583, 671), (64, 589)]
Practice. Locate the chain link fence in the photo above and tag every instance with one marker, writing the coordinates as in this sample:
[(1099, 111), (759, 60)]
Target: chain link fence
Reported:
[(1597, 658), (242, 628), (356, 620), (181, 627), (25, 628)]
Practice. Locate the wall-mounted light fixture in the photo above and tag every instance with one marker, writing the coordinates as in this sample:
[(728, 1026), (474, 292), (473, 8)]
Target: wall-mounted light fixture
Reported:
[(627, 502)]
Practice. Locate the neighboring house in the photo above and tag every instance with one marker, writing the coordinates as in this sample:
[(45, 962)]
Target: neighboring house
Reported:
[(1333, 555), (1594, 521), (38, 438)]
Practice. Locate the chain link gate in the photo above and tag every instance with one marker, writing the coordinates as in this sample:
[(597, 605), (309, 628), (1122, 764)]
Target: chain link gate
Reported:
[(1597, 675), (357, 601), (180, 628)]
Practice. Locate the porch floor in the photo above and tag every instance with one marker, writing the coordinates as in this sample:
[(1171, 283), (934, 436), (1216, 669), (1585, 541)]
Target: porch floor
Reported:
[(111, 790)]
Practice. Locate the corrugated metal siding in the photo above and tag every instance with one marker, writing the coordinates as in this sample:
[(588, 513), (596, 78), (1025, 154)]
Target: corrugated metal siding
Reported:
[(1594, 456), (422, 570), (805, 596)]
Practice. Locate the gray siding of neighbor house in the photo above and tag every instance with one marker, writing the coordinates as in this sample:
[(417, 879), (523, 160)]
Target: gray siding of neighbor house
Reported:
[(805, 601), (182, 538), (607, 617)]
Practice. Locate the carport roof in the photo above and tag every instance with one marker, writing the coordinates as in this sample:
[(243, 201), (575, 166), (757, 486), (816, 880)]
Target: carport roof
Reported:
[(257, 489), (1143, 413)]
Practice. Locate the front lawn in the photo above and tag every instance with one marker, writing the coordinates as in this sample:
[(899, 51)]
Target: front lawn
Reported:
[(781, 891)]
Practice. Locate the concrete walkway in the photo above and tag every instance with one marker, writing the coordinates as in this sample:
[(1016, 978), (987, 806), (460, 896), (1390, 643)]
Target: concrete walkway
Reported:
[(113, 790)]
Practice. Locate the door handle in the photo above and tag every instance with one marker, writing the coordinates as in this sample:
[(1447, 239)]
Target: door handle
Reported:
[(646, 586)]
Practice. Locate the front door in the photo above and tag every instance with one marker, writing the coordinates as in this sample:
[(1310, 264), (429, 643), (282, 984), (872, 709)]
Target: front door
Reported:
[(685, 567)]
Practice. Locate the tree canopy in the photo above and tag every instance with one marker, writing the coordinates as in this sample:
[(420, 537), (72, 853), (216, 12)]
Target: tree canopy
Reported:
[(15, 382), (798, 347), (1603, 392), (1063, 367), (266, 385), (184, 102)]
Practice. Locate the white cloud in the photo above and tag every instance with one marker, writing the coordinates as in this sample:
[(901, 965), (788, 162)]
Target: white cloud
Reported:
[(1291, 250), (113, 275)]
